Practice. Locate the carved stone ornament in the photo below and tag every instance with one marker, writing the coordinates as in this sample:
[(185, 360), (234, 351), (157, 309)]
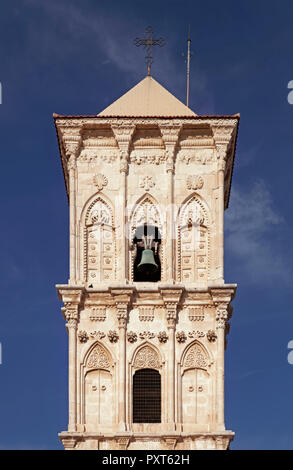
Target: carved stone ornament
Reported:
[(196, 313), (196, 334), (221, 315), (146, 313), (211, 336), (99, 359), (148, 156), (97, 314), (195, 358), (163, 337), (132, 337), (146, 182), (83, 336), (181, 337), (100, 181), (146, 335), (194, 182), (93, 155), (122, 443), (147, 358), (200, 156), (113, 336), (97, 334)]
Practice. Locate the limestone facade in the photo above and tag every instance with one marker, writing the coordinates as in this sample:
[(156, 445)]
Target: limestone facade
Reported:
[(175, 174)]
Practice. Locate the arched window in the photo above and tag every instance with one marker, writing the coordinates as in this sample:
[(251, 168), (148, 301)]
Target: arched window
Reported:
[(147, 263), (147, 396)]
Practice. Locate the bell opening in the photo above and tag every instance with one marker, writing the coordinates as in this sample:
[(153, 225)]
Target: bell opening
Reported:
[(147, 263)]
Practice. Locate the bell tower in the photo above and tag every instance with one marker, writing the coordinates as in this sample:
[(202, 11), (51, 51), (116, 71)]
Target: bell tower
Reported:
[(146, 305)]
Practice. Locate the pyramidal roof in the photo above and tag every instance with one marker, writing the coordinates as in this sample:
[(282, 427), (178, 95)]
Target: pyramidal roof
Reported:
[(147, 98)]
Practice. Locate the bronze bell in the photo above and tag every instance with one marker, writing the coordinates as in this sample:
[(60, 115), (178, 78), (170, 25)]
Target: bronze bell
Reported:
[(147, 264)]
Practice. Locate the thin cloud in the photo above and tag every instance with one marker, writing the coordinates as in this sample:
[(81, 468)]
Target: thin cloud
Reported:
[(112, 38), (252, 226)]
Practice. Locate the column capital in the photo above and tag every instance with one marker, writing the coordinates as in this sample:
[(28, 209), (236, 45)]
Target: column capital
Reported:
[(170, 135), (123, 134), (72, 299), (122, 299), (171, 297)]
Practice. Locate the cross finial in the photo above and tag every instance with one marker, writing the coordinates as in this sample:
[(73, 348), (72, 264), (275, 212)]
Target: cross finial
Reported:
[(148, 42)]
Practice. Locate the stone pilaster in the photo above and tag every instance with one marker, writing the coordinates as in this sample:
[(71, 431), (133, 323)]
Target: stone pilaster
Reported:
[(72, 299), (123, 135), (221, 299), (223, 138), (72, 143), (170, 136), (171, 299), (122, 299)]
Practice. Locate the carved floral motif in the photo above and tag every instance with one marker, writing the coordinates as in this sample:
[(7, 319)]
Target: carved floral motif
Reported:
[(83, 336), (200, 156), (196, 358), (181, 337), (139, 157), (147, 183), (99, 359), (132, 337), (97, 334), (194, 182), (146, 335), (211, 336), (147, 358), (113, 336), (163, 337), (196, 334)]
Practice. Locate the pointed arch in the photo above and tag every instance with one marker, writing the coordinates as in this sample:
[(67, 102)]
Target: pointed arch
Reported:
[(97, 240), (193, 240)]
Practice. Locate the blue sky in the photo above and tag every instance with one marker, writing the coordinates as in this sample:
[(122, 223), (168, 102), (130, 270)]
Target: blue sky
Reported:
[(76, 58)]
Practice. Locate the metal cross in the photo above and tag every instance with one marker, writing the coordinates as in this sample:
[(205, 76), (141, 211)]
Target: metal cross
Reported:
[(148, 42)]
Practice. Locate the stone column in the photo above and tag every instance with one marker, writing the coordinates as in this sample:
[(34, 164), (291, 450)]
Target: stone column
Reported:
[(170, 137), (72, 218), (122, 313), (221, 172), (71, 298), (170, 264), (123, 134), (221, 320), (222, 133), (123, 171), (171, 324), (171, 297), (71, 315), (72, 142)]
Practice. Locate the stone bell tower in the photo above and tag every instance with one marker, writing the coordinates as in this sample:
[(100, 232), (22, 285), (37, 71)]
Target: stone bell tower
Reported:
[(146, 305)]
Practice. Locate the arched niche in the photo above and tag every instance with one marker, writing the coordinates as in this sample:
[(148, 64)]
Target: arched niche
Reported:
[(98, 389), (147, 364), (193, 241), (98, 247), (194, 387), (146, 213)]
